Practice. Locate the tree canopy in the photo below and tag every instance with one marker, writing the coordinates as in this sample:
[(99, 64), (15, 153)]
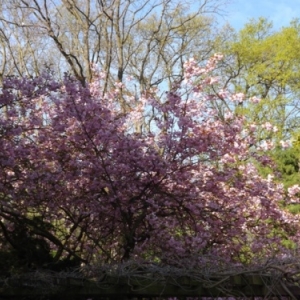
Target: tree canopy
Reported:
[(264, 63), (121, 146), (80, 181)]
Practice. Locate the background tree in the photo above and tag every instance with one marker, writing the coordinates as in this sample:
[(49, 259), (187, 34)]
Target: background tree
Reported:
[(264, 63), (148, 40)]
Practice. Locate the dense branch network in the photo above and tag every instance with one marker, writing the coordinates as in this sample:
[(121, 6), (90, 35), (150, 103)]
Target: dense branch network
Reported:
[(78, 175)]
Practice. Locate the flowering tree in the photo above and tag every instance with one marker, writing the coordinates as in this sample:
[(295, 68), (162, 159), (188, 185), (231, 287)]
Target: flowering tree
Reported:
[(170, 180)]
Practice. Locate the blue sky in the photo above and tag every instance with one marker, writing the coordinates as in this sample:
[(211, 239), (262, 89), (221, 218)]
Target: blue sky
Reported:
[(281, 12)]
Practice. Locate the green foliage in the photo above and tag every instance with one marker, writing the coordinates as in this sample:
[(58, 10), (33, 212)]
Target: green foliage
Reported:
[(294, 208), (285, 169), (265, 63), (287, 165)]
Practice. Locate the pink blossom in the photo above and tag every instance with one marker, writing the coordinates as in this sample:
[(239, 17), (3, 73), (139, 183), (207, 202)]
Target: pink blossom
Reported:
[(168, 178), (254, 99), (238, 97), (293, 190), (252, 127), (268, 126), (228, 115), (266, 145), (227, 158), (285, 144)]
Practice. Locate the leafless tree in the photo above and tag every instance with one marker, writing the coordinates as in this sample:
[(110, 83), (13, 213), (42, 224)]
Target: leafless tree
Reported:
[(146, 39)]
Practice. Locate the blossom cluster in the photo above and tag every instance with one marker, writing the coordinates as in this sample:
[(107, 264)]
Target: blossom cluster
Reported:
[(116, 185)]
